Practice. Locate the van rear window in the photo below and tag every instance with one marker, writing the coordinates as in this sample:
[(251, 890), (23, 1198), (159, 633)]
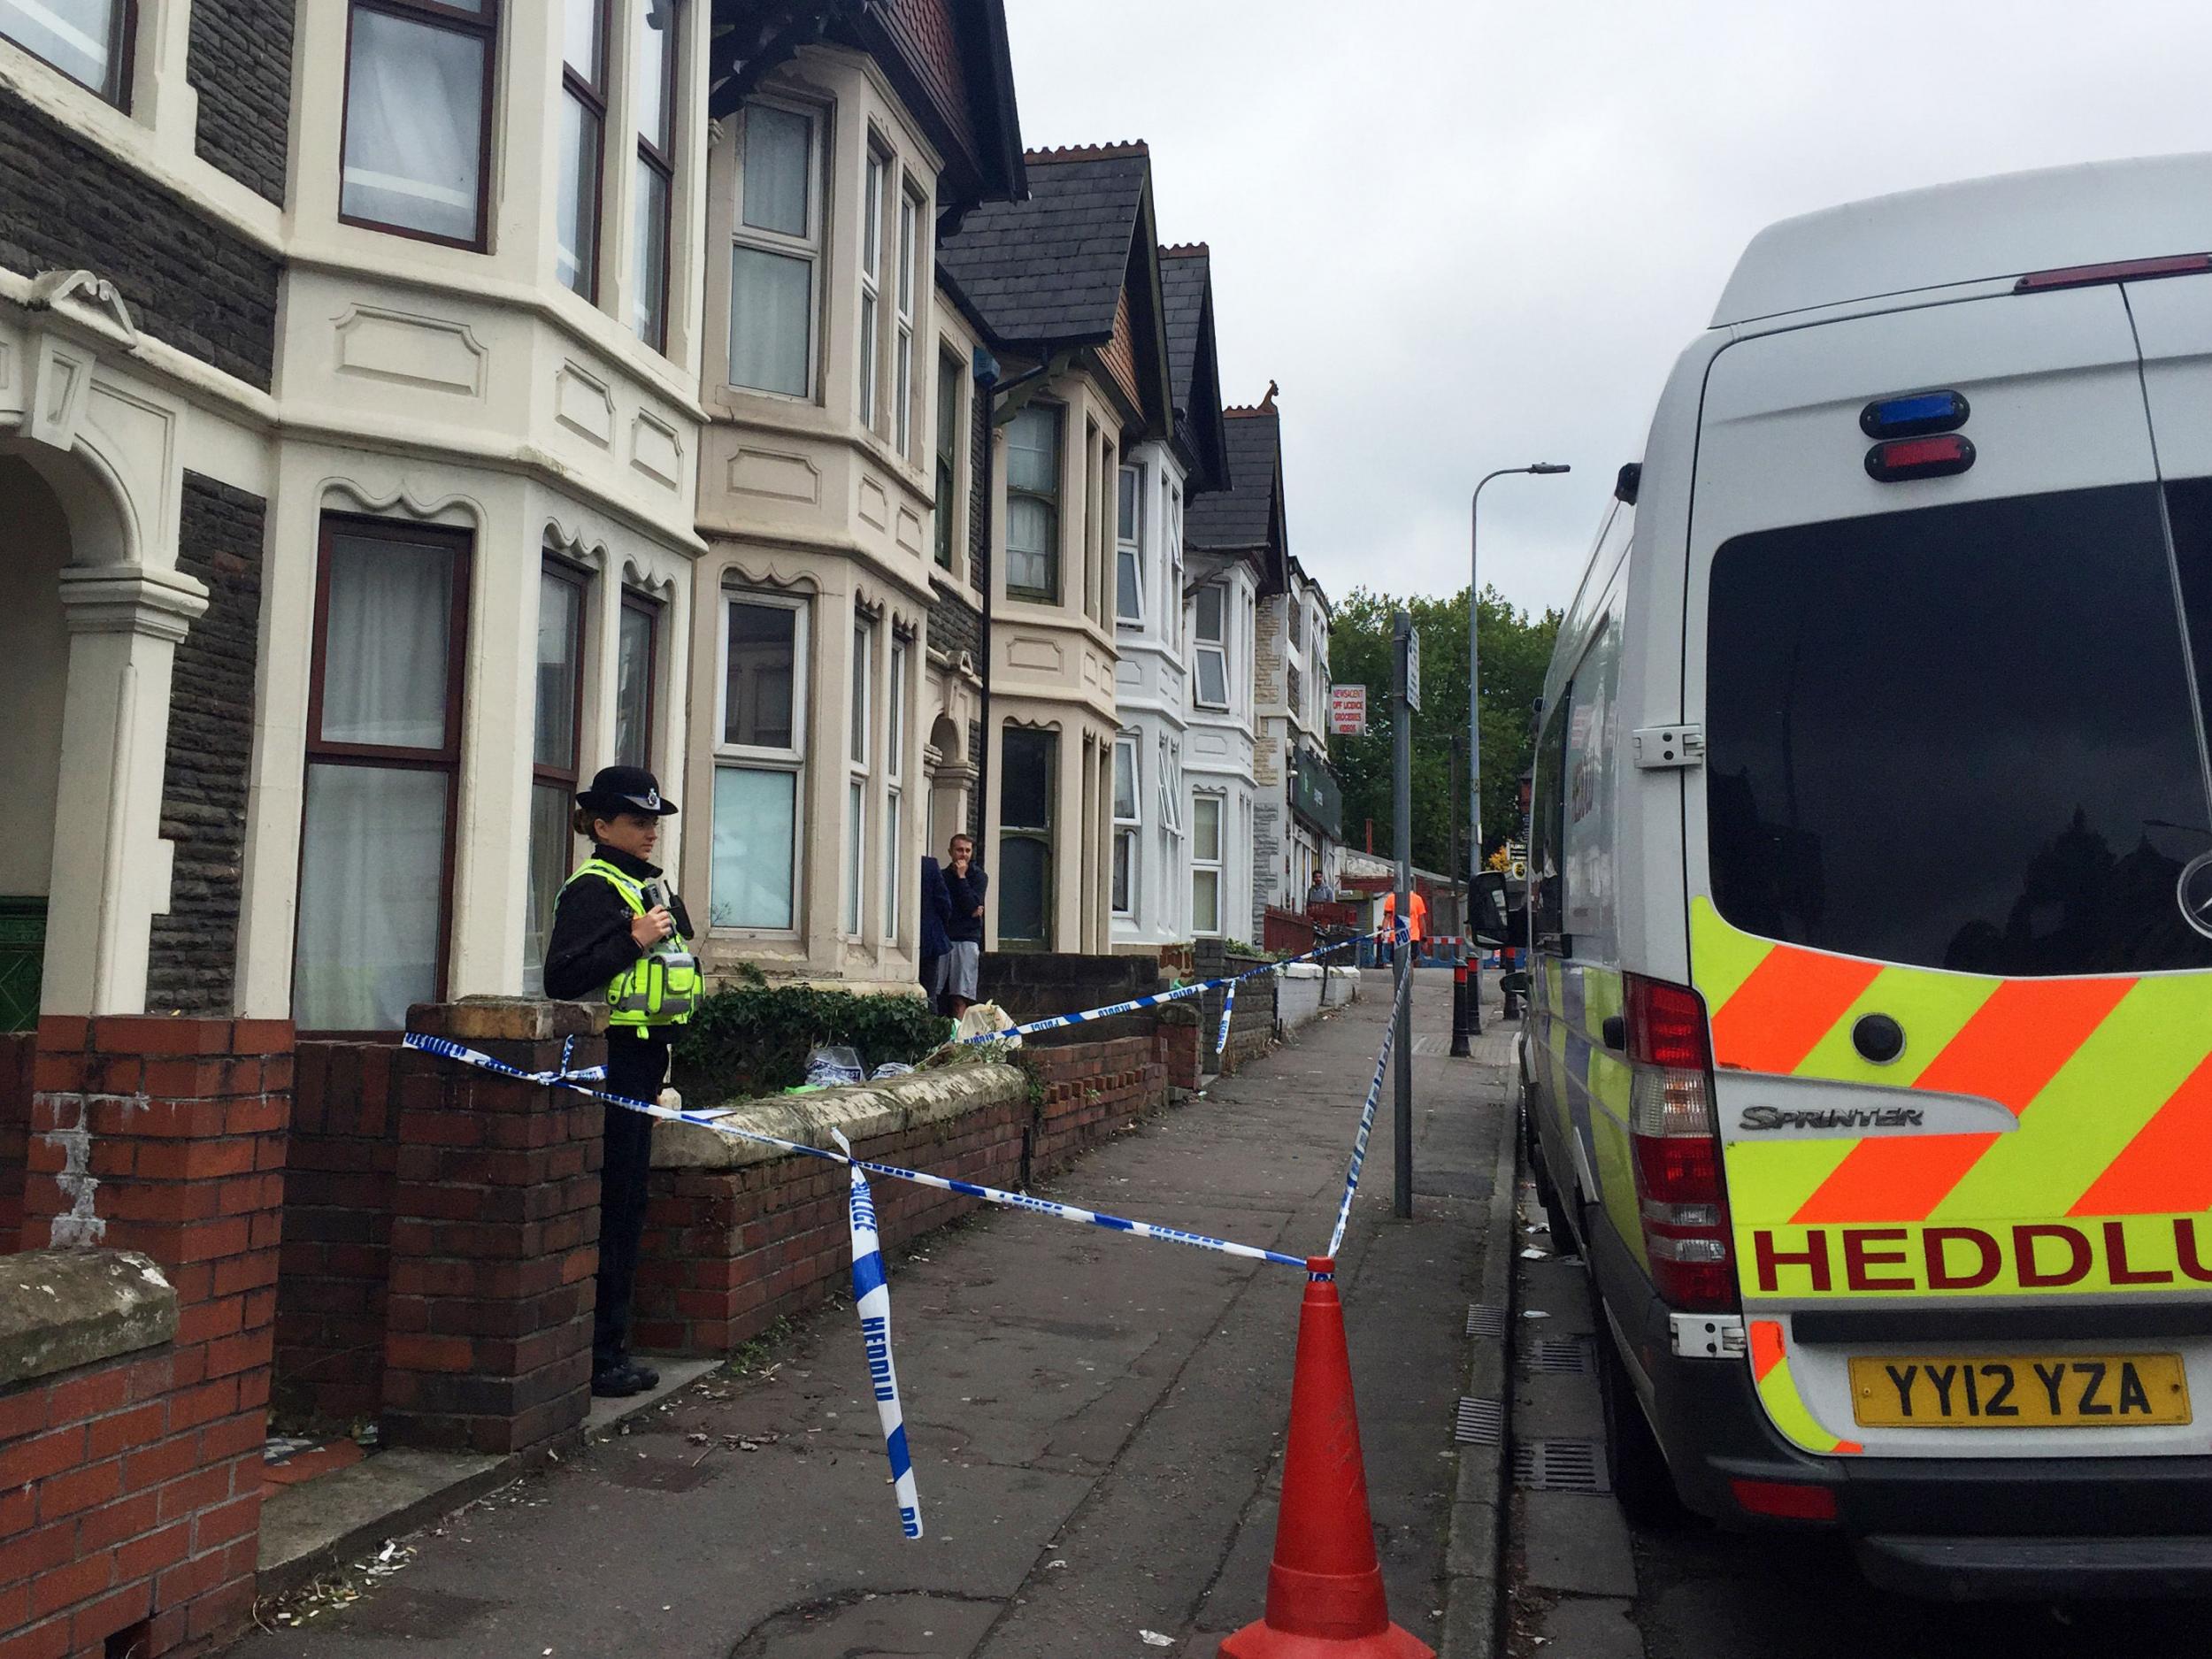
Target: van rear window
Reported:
[(1962, 737)]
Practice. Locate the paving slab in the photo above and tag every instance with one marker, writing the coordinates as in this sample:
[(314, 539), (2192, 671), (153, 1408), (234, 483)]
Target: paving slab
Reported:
[(1596, 1627), (1577, 1541)]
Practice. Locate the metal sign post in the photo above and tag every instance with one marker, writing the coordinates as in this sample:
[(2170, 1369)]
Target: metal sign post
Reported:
[(1407, 661)]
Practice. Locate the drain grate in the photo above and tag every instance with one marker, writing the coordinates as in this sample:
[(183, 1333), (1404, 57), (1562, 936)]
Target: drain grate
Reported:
[(1483, 1319), (1560, 1466), (1558, 1356), (1481, 1423)]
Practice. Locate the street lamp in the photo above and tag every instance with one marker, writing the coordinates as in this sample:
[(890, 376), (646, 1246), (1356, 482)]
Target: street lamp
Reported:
[(1541, 469)]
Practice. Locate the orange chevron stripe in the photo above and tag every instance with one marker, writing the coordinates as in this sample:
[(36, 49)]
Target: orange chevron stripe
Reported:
[(1786, 1006), (1766, 1347), (2167, 1168), (2012, 1047)]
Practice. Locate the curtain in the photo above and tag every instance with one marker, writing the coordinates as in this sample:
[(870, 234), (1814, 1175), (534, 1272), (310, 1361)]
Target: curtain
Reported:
[(385, 654), (648, 301), (576, 215), (414, 125), (371, 863), (550, 845), (633, 690), (772, 300), (778, 146), (755, 821), (560, 637)]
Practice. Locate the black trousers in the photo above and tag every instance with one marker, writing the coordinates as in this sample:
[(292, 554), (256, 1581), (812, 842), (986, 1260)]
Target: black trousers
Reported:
[(636, 1067)]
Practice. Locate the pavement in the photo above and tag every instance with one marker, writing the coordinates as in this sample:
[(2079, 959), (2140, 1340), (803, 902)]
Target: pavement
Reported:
[(1097, 1421)]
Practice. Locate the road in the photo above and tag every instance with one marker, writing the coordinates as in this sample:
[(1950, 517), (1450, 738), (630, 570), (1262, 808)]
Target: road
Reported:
[(1593, 1587)]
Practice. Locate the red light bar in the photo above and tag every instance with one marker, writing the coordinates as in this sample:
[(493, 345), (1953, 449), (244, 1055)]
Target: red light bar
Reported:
[(1903, 458), (2125, 271)]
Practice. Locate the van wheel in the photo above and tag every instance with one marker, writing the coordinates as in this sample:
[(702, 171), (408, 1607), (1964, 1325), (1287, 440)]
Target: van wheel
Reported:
[(1642, 1483), (1556, 1216)]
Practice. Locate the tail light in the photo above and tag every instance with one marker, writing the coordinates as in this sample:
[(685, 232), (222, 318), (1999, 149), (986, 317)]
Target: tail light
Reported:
[(1681, 1194)]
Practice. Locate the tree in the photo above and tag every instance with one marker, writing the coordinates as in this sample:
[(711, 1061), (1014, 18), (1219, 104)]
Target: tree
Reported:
[(1516, 652)]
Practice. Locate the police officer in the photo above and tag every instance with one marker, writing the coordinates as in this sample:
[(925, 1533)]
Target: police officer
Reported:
[(618, 932)]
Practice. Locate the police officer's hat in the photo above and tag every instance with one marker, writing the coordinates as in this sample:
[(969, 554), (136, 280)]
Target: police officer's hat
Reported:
[(617, 789)]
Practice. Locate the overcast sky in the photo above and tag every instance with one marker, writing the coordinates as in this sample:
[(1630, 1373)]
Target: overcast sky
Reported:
[(1465, 234)]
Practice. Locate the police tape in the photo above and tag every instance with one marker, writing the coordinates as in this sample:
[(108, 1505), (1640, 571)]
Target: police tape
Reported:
[(872, 1301), (1181, 991), (445, 1048), (1228, 1007), (1367, 1120)]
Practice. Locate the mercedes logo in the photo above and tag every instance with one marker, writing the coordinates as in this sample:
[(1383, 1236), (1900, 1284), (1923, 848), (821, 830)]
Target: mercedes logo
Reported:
[(2195, 894)]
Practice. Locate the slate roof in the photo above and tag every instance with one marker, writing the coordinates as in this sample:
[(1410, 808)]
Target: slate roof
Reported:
[(1047, 271), (1187, 287), (1248, 516)]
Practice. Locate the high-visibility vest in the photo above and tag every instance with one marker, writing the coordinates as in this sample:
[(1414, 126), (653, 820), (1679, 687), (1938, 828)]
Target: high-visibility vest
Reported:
[(662, 987)]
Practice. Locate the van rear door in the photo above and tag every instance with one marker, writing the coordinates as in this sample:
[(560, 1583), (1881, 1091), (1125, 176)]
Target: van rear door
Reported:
[(1955, 773)]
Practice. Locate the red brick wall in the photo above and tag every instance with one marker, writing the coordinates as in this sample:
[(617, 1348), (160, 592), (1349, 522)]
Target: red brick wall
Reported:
[(1092, 1089), (17, 1052), (121, 1506), (337, 1260), (166, 1136), (729, 1252)]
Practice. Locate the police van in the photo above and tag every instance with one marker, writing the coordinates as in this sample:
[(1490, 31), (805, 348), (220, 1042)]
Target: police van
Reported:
[(1868, 1064)]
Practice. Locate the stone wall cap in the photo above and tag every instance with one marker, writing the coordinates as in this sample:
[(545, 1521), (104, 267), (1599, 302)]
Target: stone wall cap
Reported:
[(507, 1020), (63, 1309), (864, 1112), (1302, 970)]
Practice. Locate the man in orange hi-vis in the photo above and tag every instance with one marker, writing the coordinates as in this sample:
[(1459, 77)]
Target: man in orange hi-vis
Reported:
[(1419, 929)]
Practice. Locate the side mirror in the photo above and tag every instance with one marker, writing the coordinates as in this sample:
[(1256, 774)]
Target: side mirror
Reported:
[(1493, 917), (1514, 984)]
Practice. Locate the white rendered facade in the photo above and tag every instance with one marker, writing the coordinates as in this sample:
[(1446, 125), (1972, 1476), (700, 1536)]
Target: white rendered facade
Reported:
[(1150, 893), (1221, 615)]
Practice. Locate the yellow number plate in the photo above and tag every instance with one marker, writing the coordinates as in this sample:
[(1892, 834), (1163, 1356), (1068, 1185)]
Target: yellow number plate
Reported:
[(2069, 1391)]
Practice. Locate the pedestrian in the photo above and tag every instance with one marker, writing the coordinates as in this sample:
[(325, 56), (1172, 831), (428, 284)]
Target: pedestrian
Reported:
[(619, 932), (935, 946), (966, 885)]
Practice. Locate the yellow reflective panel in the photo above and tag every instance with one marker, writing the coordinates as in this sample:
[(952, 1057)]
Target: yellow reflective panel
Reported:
[(1721, 958), (1932, 1008), (1769, 1181)]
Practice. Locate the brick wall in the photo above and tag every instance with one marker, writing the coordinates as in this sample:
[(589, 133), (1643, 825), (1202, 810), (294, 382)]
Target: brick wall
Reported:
[(194, 958), (1041, 984), (187, 280), (956, 625), (240, 62), (337, 1261), (166, 1137), (121, 1530), (737, 1238), (18, 1052), (1251, 1025), (979, 497)]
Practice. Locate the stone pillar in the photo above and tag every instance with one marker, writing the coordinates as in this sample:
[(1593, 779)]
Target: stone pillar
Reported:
[(495, 1234), (110, 873), (167, 1137)]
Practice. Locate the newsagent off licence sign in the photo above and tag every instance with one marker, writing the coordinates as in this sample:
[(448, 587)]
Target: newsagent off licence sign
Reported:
[(1347, 711)]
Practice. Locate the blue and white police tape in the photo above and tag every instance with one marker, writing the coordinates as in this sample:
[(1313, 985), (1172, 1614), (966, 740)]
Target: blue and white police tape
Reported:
[(872, 1301), (447, 1048), (1176, 995), (1228, 1007), (1367, 1121)]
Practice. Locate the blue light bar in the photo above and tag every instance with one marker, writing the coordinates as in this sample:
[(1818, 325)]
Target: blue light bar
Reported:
[(1914, 416)]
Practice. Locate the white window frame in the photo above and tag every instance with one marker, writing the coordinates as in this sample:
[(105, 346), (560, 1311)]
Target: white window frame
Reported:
[(1171, 535), (1054, 552), (895, 791), (1129, 543), (909, 281), (807, 248), (1216, 866), (1218, 647), (870, 353), (859, 772), (753, 757), (1171, 788), (1128, 832)]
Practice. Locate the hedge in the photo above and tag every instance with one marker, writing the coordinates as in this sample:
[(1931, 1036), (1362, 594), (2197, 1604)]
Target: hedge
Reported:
[(752, 1039)]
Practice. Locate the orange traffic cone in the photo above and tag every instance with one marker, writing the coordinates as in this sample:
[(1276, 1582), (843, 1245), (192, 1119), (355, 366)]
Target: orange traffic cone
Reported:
[(1325, 1588)]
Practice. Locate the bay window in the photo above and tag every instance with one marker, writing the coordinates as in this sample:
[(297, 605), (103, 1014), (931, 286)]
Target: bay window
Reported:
[(86, 40), (655, 80), (1128, 824), (894, 804), (1212, 653), (1033, 503), (582, 144), (952, 415), (637, 672), (1129, 550), (760, 763), (1205, 858), (775, 248), (902, 347), (1026, 778), (383, 756), (559, 703), (870, 282), (417, 117)]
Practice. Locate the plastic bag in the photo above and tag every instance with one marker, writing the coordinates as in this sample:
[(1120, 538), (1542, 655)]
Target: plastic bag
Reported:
[(983, 1019), (890, 1069), (832, 1067)]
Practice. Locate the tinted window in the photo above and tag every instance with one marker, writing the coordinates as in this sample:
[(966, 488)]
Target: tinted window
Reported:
[(1547, 831), (1961, 737)]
